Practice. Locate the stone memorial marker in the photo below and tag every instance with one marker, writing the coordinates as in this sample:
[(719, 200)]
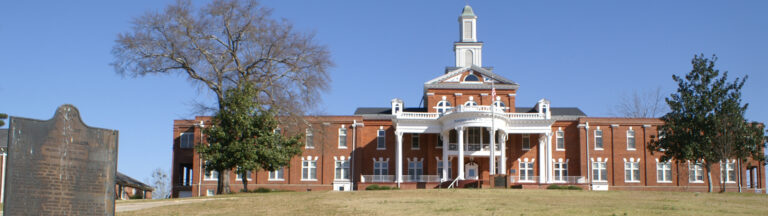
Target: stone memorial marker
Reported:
[(60, 166)]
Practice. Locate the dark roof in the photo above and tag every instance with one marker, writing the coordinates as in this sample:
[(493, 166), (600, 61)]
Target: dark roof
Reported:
[(3, 138), (385, 110), (558, 111), (124, 180)]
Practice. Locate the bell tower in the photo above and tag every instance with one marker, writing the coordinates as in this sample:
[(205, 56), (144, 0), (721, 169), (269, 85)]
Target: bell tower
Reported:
[(468, 50)]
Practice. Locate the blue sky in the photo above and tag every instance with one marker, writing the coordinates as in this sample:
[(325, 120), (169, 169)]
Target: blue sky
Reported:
[(585, 54)]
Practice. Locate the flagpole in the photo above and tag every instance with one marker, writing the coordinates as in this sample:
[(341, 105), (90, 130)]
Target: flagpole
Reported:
[(492, 159)]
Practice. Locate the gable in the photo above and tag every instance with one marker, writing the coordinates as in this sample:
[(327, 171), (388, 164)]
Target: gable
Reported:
[(457, 78)]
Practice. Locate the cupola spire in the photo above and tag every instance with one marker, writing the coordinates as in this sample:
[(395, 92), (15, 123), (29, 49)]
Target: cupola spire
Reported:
[(468, 50)]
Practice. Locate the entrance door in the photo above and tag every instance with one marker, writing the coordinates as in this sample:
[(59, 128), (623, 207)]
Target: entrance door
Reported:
[(471, 171)]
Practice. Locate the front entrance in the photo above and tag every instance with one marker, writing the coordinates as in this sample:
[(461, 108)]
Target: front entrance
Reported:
[(471, 171)]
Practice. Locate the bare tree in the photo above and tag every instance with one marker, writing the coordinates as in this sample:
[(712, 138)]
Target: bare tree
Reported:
[(162, 184), (648, 104), (223, 45)]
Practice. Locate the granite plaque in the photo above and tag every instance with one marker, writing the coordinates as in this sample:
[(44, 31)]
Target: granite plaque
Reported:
[(60, 166)]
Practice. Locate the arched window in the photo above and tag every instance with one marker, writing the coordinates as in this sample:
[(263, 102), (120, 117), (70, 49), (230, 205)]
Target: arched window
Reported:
[(471, 102), (443, 106), (499, 104), (468, 57), (471, 78)]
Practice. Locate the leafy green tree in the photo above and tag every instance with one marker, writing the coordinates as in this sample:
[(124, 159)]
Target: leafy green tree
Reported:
[(706, 119), (3, 116), (242, 135)]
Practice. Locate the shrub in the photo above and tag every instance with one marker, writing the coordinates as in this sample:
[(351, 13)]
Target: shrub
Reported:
[(563, 187), (262, 190), (378, 187)]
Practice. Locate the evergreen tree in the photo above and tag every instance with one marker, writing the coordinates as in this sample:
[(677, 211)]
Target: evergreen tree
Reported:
[(2, 117), (242, 136), (706, 121)]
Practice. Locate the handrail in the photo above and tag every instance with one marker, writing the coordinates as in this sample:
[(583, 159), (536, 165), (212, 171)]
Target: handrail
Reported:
[(452, 183), (462, 108)]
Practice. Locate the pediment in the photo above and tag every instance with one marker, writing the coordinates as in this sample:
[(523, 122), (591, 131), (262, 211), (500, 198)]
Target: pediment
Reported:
[(460, 76)]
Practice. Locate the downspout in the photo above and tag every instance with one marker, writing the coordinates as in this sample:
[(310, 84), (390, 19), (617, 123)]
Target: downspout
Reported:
[(352, 154), (2, 188), (589, 163), (200, 171)]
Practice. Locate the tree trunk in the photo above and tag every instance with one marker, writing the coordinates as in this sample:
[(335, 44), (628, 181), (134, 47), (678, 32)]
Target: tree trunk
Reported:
[(225, 184), (709, 177), (219, 183), (245, 181), (739, 178)]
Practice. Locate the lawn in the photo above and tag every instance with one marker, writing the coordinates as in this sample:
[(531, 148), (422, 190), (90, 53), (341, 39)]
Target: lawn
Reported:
[(473, 202)]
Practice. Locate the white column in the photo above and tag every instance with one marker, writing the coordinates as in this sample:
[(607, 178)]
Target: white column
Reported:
[(542, 148), (460, 133), (399, 160), (492, 158), (550, 170), (445, 156), (503, 160)]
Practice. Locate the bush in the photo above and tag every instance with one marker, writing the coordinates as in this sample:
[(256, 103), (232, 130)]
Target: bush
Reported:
[(563, 187), (137, 196), (262, 190), (377, 187)]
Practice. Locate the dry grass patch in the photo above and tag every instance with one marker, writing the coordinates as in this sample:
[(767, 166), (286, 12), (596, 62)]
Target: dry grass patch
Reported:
[(473, 202)]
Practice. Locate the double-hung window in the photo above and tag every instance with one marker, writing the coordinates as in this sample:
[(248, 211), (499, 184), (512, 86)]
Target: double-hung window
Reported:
[(561, 171), (239, 173), (599, 172), (310, 141), (309, 170), (526, 172), (342, 138), (598, 139), (526, 142), (728, 173), (664, 172), (560, 140), (415, 170), (380, 171), (342, 170), (186, 139), (440, 170), (381, 140), (276, 175), (211, 174), (415, 142), (631, 171), (695, 172), (630, 139)]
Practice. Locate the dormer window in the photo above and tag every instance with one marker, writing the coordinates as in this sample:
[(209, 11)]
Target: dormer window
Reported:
[(471, 78), (443, 106)]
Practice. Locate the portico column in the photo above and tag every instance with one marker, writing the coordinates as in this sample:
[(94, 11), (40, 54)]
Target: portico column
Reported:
[(503, 160), (460, 133), (445, 156), (542, 148), (550, 171), (399, 158), (492, 158)]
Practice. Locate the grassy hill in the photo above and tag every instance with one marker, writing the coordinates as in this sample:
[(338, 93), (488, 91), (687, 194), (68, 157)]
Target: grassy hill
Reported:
[(472, 202)]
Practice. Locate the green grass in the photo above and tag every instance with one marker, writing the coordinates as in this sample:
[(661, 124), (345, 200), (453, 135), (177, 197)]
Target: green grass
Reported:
[(473, 202)]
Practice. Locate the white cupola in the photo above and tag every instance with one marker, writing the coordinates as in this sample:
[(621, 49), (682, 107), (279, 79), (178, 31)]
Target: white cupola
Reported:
[(468, 50)]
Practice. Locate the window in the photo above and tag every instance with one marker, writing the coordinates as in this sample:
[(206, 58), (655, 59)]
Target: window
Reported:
[(560, 140), (499, 104), (526, 142), (415, 142), (443, 106), (471, 78), (239, 176), (526, 171), (598, 139), (342, 138), (211, 174), (439, 141), (210, 192), (186, 140), (561, 171), (309, 170), (276, 175), (599, 173), (468, 61), (663, 172), (440, 169), (468, 30), (728, 174), (342, 170), (631, 172), (415, 169), (278, 131), (470, 103), (310, 141), (381, 140), (380, 168), (695, 172), (630, 139)]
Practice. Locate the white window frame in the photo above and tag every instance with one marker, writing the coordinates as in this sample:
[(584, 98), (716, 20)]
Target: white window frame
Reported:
[(470, 103), (440, 169), (725, 170), (631, 140), (277, 175), (561, 171), (277, 130), (382, 169), (309, 141), (190, 140), (210, 192), (381, 139), (439, 141), (599, 169), (600, 137), (415, 169), (341, 170), (522, 142), (239, 177), (443, 106), (664, 172), (697, 169), (629, 168), (525, 167), (343, 137), (560, 140), (415, 139), (309, 167), (210, 174)]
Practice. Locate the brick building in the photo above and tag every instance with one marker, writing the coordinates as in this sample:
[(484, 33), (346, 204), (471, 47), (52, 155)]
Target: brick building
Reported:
[(469, 131)]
